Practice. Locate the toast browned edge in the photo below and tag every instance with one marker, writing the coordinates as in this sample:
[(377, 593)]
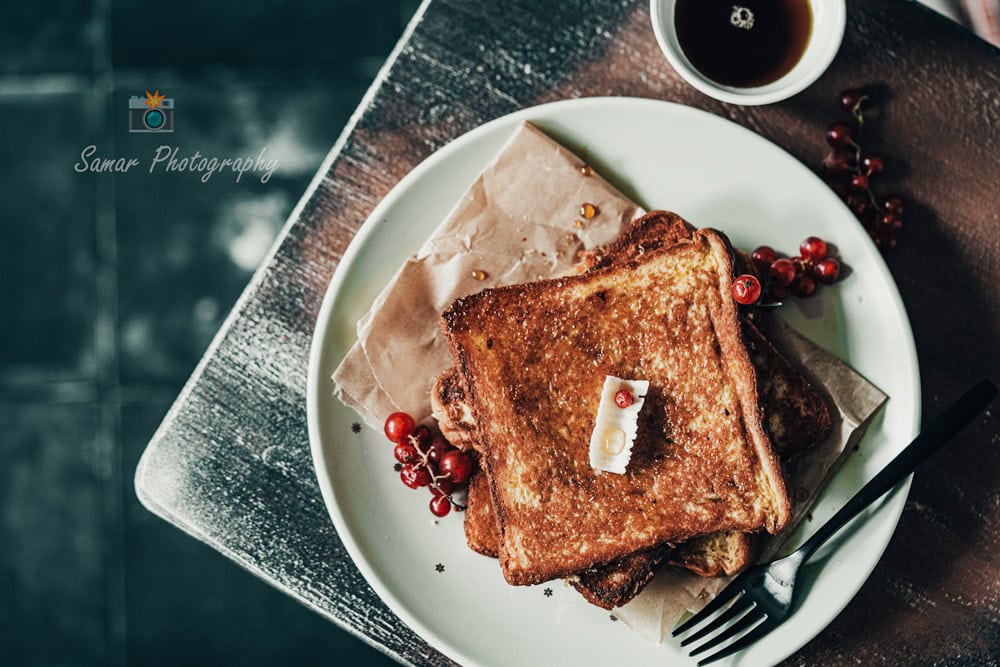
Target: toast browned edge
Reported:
[(480, 524), (713, 555), (450, 409), (649, 233), (613, 584), (797, 416), (739, 367)]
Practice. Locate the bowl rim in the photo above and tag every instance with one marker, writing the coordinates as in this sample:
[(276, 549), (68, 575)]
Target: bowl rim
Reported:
[(781, 89)]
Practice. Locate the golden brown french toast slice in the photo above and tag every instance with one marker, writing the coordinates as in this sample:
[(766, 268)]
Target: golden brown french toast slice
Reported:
[(532, 359), (796, 417)]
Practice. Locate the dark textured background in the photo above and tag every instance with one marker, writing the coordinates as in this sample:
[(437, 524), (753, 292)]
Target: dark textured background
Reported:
[(111, 288)]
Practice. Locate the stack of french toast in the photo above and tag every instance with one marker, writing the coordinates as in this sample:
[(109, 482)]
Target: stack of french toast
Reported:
[(723, 409)]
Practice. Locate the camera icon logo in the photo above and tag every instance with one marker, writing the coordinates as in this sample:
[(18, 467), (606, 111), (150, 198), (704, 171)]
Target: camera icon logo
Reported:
[(153, 114)]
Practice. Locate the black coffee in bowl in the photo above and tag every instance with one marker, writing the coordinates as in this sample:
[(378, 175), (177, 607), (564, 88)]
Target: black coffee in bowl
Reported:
[(743, 43)]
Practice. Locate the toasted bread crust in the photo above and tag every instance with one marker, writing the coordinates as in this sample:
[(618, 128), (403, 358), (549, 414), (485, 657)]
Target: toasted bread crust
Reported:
[(451, 410), (797, 417), (507, 408), (716, 554), (481, 532), (745, 376), (651, 232), (615, 583)]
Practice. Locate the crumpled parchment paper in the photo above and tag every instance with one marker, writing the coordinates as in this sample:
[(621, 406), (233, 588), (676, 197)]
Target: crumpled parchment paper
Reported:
[(519, 221)]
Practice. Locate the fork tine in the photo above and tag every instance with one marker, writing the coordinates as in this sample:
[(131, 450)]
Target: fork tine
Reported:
[(738, 607), (750, 618), (734, 588), (741, 643)]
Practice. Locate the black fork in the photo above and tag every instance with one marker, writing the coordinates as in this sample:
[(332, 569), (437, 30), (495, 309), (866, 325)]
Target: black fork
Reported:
[(761, 597)]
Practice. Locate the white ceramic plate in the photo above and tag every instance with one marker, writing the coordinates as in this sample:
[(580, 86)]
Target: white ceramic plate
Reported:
[(712, 172)]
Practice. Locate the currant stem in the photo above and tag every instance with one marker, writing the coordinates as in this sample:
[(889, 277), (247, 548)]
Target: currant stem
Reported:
[(425, 459), (856, 111)]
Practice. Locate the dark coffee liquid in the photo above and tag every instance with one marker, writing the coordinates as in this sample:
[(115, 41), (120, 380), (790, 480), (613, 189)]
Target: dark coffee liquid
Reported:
[(743, 43)]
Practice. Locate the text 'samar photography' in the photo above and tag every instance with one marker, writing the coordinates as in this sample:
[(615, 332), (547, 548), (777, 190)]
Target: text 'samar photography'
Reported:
[(155, 115)]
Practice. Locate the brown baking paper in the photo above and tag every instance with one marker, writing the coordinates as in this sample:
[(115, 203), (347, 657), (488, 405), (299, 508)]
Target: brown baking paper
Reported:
[(518, 223)]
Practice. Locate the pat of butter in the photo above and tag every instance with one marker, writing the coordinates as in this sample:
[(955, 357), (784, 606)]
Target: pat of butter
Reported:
[(615, 428)]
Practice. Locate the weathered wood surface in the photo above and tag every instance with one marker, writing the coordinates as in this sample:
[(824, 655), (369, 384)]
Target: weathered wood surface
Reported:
[(231, 462)]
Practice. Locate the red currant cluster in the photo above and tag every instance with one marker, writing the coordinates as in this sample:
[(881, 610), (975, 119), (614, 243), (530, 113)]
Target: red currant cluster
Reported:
[(799, 274), (429, 461), (851, 171)]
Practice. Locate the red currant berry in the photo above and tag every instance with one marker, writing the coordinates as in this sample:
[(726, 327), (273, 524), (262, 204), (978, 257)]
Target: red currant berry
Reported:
[(889, 223), (440, 505), (437, 449), (415, 476), (888, 241), (851, 98), (456, 466), (623, 398), (442, 487), (398, 427), (801, 266), (405, 452), (746, 289), (893, 204), (814, 249), (839, 135), (783, 272), (804, 286), (873, 164), (763, 257), (858, 204), (422, 435), (827, 271), (859, 182), (837, 161)]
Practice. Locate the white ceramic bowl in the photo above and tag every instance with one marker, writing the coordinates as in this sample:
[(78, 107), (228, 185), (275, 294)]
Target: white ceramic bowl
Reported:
[(829, 19)]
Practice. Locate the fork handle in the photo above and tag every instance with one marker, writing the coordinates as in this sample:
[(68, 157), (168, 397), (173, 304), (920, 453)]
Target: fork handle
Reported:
[(933, 437)]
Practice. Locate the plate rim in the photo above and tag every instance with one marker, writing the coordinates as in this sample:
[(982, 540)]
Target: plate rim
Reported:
[(893, 503)]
